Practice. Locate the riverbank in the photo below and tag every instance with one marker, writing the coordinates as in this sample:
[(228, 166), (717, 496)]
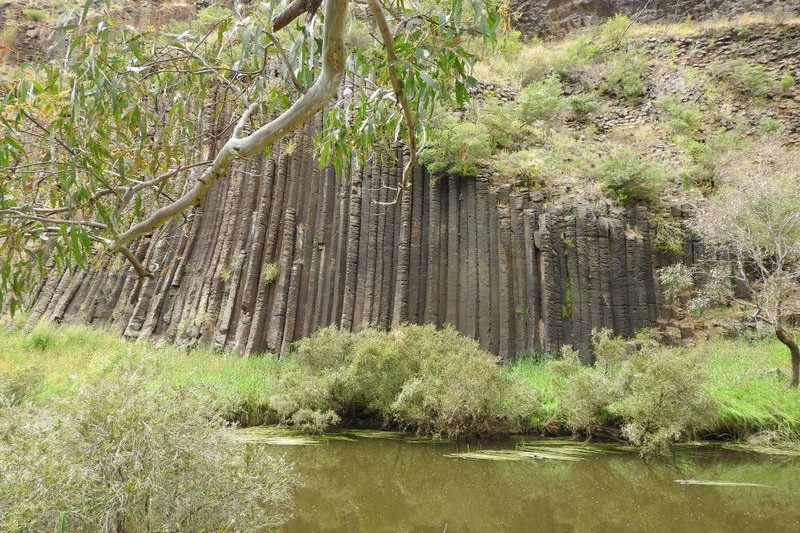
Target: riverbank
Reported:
[(651, 396)]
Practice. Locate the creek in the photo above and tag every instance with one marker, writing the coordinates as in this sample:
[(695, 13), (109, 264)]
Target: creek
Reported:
[(384, 482)]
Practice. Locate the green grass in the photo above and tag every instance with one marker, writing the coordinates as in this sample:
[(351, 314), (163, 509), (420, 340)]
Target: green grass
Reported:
[(63, 358), (549, 384), (745, 380), (748, 394)]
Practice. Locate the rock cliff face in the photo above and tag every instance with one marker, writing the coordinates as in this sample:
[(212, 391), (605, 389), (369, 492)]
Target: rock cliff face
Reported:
[(548, 18), (282, 249)]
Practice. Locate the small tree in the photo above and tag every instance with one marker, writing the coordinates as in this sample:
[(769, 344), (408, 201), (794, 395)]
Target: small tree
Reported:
[(753, 221)]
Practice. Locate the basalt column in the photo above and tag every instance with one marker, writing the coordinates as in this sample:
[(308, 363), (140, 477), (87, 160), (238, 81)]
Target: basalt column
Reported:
[(281, 248)]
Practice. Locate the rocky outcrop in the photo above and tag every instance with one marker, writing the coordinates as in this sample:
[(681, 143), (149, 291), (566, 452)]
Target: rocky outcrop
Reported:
[(559, 17), (282, 248)]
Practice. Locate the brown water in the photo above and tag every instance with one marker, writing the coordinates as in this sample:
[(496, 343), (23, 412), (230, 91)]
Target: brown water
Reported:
[(394, 485)]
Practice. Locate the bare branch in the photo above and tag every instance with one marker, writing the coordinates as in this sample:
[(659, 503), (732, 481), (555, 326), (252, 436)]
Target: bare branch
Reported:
[(294, 10), (20, 215), (137, 266)]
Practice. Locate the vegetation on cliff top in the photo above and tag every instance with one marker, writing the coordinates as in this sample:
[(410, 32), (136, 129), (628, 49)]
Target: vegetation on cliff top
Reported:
[(637, 114)]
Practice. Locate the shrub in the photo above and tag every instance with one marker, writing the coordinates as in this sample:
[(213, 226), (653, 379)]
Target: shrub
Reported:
[(524, 166), (130, 456), (34, 15), (506, 129), (579, 54), (664, 400), (748, 79), (623, 79), (583, 104), (631, 178), (42, 338), (668, 236), (457, 148), (584, 401), (655, 395), (543, 101), (415, 377), (684, 119), (270, 272), (769, 124), (613, 30), (675, 280)]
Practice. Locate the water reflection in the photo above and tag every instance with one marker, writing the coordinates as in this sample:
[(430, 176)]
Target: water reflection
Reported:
[(390, 485)]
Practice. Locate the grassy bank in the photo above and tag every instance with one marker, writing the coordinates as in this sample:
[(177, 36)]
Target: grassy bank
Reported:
[(744, 382), (99, 434), (437, 382)]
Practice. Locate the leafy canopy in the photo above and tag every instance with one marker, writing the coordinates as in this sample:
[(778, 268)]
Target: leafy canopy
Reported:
[(126, 128)]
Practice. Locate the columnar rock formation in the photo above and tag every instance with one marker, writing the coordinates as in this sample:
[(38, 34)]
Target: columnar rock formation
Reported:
[(283, 248)]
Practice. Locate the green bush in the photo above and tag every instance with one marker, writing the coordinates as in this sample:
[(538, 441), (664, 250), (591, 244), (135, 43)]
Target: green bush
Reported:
[(583, 104), (415, 377), (42, 338), (623, 79), (579, 55), (524, 166), (630, 178), (543, 101), (683, 118), (506, 129), (583, 404), (664, 401), (769, 124), (613, 30), (34, 15), (655, 395), (748, 79), (458, 148), (668, 235), (126, 456)]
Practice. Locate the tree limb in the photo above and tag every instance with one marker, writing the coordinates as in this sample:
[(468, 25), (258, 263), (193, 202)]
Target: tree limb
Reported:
[(397, 87), (308, 105), (294, 10)]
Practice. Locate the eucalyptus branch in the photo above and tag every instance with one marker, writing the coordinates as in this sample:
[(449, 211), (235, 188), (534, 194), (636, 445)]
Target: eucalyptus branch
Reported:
[(397, 87), (240, 125), (21, 215), (47, 131), (285, 58), (294, 10), (308, 105), (135, 263)]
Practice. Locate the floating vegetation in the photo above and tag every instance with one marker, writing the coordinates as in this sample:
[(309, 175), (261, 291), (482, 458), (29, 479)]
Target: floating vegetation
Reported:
[(719, 483), (284, 436), (554, 451), (578, 450), (276, 436), (767, 450), (489, 455), (353, 434)]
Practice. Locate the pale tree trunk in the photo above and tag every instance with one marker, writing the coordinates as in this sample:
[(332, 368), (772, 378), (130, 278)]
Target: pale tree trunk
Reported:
[(786, 338)]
